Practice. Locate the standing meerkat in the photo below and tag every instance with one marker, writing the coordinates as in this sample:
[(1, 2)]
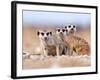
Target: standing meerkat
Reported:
[(77, 44), (47, 42), (62, 47)]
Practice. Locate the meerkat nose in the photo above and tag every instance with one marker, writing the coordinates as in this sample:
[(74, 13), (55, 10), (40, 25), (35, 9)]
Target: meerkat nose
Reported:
[(46, 38), (72, 29)]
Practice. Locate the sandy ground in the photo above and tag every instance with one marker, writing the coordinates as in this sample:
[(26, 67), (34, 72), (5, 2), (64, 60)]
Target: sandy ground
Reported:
[(31, 45), (57, 62)]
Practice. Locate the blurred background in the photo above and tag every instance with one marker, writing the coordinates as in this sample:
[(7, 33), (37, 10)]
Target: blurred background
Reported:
[(34, 21)]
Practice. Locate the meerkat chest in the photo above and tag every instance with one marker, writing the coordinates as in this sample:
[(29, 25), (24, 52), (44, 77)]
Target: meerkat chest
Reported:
[(70, 41)]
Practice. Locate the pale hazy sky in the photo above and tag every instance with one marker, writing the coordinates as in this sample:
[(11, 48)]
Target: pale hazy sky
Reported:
[(55, 18)]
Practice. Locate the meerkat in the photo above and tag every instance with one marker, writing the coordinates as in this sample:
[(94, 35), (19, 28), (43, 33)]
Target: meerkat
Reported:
[(48, 43), (62, 47), (77, 44)]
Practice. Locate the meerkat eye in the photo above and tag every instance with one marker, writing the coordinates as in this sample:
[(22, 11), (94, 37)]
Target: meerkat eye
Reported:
[(51, 33), (73, 26), (65, 26), (47, 34), (63, 30), (42, 34), (58, 30), (69, 26), (38, 33)]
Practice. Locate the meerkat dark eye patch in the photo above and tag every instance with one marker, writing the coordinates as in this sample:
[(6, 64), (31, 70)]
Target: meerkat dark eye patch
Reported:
[(38, 33), (69, 26), (42, 34), (58, 30), (63, 30), (73, 26), (65, 26), (47, 33), (51, 33)]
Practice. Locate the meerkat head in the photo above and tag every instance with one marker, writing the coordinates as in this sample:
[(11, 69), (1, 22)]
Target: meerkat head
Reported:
[(71, 29), (61, 32), (44, 35)]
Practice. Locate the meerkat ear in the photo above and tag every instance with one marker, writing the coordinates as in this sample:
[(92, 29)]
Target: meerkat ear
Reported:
[(50, 33), (38, 33)]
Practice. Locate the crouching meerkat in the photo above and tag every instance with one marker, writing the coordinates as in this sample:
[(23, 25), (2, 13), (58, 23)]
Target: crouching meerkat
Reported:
[(77, 44), (48, 43)]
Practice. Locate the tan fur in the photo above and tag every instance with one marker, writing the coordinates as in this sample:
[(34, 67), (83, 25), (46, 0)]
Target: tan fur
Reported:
[(77, 44), (51, 50)]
